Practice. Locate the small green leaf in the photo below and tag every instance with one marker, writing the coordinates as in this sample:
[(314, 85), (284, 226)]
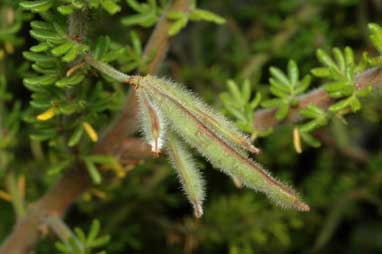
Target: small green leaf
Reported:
[(198, 14), (175, 15), (282, 111), (41, 80), (93, 171), (37, 6), (341, 104), (177, 26), (303, 84), (75, 138), (321, 72), (110, 6), (335, 86), (99, 242), (293, 72), (40, 47), (102, 46), (324, 58), (44, 35), (145, 20), (271, 103), (256, 101), (62, 49), (94, 230), (39, 58), (279, 76), (309, 126), (376, 36), (310, 140), (233, 88), (278, 92), (279, 86), (65, 10), (312, 111), (349, 56), (42, 25), (72, 54), (70, 81), (340, 59), (355, 104)]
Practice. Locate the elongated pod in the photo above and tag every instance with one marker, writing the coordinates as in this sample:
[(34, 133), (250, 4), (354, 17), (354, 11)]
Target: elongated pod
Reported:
[(221, 153), (152, 122), (189, 175), (217, 122)]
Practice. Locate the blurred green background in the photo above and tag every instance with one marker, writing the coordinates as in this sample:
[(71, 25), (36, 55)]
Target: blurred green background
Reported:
[(146, 212)]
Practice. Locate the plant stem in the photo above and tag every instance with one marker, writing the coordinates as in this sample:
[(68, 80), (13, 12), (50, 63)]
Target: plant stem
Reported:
[(107, 69)]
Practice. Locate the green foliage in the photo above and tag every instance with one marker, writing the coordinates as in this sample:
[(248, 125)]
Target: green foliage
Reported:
[(317, 118), (181, 19), (342, 71), (66, 7), (286, 88), (240, 105), (268, 230), (148, 13), (375, 31), (81, 243)]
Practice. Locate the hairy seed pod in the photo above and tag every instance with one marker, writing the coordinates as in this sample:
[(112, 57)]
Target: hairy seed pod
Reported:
[(222, 154), (152, 122), (189, 175), (218, 123)]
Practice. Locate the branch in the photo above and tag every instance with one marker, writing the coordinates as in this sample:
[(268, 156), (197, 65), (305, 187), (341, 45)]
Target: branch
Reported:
[(26, 233), (266, 118)]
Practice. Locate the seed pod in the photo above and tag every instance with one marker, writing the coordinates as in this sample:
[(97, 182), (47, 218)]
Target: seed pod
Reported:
[(215, 121), (152, 122), (222, 154), (189, 175)]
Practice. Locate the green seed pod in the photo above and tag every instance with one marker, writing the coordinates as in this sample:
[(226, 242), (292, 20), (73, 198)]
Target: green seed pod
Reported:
[(189, 175), (152, 121), (222, 154), (215, 121)]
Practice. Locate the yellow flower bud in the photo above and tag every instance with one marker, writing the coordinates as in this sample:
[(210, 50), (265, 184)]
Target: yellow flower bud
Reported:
[(90, 131), (297, 140), (47, 114)]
